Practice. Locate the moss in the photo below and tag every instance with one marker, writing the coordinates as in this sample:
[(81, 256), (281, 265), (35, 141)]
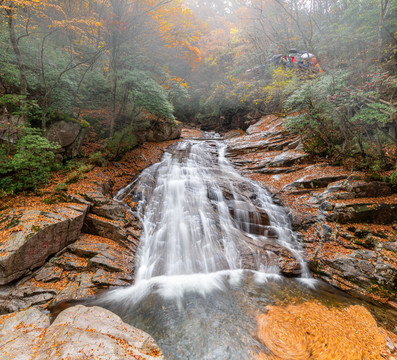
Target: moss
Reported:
[(36, 228), (382, 291), (85, 168), (56, 198), (84, 124), (317, 267), (61, 187), (362, 208), (74, 177), (48, 201), (368, 243), (97, 159), (15, 220)]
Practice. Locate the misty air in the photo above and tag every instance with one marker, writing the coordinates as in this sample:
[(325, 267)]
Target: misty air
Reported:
[(198, 180)]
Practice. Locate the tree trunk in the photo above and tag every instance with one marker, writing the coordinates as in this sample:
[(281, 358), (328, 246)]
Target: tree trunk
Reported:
[(114, 68), (114, 106), (17, 51), (382, 14), (44, 107)]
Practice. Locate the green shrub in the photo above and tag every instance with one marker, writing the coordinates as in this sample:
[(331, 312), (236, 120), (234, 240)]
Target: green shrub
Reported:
[(393, 177), (72, 165), (30, 166), (74, 177), (61, 187), (77, 174), (58, 195), (20, 107), (97, 159), (122, 142), (342, 120), (85, 168)]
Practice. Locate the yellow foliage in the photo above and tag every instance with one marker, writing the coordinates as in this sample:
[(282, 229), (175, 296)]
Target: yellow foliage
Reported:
[(179, 29)]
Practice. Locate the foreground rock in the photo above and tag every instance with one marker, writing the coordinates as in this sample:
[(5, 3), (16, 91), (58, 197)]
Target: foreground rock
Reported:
[(77, 333), (33, 235), (84, 267), (83, 262)]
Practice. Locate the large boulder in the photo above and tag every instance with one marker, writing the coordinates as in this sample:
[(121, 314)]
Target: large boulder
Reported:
[(20, 334), (161, 130), (78, 332), (32, 236), (69, 135)]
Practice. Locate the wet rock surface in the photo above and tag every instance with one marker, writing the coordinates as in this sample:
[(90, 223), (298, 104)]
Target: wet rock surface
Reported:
[(34, 235), (202, 216), (346, 221), (78, 332)]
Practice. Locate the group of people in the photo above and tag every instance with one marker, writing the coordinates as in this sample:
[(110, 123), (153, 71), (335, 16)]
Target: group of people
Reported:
[(299, 59)]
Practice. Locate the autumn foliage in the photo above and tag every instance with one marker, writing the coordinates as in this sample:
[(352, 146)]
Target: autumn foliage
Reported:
[(312, 331)]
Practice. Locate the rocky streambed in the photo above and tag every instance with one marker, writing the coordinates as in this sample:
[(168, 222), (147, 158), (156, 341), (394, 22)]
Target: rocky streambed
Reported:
[(79, 248), (346, 221)]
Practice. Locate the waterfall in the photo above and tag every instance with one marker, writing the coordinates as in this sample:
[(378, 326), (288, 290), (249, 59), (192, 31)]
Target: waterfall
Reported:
[(200, 216), (215, 250)]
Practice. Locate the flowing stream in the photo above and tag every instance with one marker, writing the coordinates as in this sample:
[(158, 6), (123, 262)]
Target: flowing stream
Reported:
[(215, 251)]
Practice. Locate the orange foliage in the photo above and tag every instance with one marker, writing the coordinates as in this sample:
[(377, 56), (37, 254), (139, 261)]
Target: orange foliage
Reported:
[(311, 331), (55, 14)]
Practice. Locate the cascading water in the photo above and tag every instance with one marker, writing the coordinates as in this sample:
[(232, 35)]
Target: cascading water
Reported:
[(210, 256), (199, 215)]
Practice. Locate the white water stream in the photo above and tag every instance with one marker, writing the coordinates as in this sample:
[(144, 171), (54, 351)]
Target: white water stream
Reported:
[(198, 214), (205, 252)]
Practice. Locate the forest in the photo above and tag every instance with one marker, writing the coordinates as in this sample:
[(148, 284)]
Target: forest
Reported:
[(118, 67)]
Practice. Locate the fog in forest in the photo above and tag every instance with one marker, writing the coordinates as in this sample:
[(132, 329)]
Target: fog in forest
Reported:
[(220, 174)]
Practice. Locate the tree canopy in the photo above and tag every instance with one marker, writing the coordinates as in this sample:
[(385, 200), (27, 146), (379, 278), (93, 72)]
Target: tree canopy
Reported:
[(134, 61)]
